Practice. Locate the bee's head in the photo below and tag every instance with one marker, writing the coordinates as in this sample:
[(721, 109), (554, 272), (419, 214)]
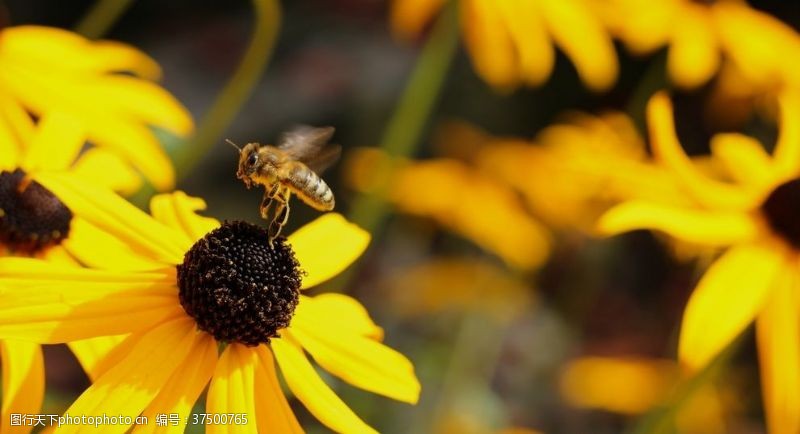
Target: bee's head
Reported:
[(249, 162)]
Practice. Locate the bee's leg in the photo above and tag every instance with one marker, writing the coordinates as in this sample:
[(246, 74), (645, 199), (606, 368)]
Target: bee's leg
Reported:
[(266, 201), (281, 213), (266, 204)]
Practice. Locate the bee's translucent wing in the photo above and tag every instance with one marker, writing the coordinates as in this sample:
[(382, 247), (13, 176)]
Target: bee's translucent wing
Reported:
[(303, 142), (324, 158)]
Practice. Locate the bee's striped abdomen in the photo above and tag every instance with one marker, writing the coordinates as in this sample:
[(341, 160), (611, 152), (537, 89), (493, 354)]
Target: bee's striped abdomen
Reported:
[(311, 188)]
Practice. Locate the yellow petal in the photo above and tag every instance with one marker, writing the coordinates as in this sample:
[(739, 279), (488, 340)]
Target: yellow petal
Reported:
[(55, 144), (179, 211), (10, 140), (113, 214), (180, 393), (99, 249), (309, 388), (458, 284), (696, 226), (18, 121), (113, 56), (409, 17), (326, 246), (693, 55), (668, 150), (347, 312), (272, 409), (232, 389), (142, 100), (106, 169), (136, 143), (787, 149), (8, 148), (90, 352), (46, 303), (527, 30), (356, 359), (106, 125), (434, 188), (116, 354), (128, 388), (725, 301), (58, 255), (583, 39), (767, 57), (745, 159), (50, 48), (620, 385), (32, 272), (23, 382), (779, 354), (489, 43), (648, 31)]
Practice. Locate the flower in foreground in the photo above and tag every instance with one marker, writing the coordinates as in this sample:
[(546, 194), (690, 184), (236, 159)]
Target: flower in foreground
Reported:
[(199, 284), (757, 219), (107, 87), (511, 43), (35, 222)]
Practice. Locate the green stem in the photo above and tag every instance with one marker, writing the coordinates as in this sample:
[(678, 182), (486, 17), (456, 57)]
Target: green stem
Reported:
[(661, 420), (100, 18), (653, 80), (236, 91), (404, 129)]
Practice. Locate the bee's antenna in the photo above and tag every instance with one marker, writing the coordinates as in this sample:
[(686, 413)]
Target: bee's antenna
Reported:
[(234, 145)]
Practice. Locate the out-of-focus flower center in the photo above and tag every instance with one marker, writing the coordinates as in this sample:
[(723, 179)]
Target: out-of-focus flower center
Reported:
[(31, 217), (782, 211), (237, 287)]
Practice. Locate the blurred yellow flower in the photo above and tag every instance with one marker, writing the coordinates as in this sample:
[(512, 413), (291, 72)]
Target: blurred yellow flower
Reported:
[(576, 168), (755, 217), (104, 86), (511, 42), (635, 385), (458, 284), (458, 198), (230, 288), (765, 49)]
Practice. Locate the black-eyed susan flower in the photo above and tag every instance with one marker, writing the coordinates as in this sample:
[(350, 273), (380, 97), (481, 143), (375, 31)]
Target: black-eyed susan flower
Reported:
[(107, 87), (709, 32), (35, 222), (511, 42), (755, 219), (199, 284)]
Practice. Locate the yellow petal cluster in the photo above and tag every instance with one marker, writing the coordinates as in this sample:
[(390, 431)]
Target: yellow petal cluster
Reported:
[(107, 88), (511, 42)]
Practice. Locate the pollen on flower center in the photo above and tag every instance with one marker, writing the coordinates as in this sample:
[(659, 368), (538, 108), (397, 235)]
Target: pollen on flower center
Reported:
[(31, 217), (782, 211), (237, 287)]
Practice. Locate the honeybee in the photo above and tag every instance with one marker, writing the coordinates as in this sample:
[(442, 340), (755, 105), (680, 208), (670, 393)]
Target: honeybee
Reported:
[(290, 167)]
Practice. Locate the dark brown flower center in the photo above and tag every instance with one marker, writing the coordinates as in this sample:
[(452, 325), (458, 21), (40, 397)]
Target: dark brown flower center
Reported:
[(237, 287), (782, 211), (31, 217)]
